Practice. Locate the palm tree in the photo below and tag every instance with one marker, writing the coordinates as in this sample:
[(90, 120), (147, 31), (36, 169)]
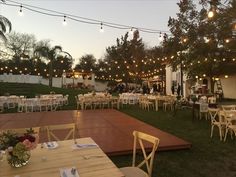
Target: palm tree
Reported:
[(4, 25), (51, 54)]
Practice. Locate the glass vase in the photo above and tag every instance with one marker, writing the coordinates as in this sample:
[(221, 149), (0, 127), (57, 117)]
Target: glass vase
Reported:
[(16, 161)]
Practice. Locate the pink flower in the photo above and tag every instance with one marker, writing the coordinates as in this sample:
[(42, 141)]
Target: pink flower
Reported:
[(31, 145)]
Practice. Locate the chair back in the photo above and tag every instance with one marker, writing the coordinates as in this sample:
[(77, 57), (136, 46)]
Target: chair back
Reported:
[(203, 107), (228, 107), (52, 128), (139, 137), (213, 112)]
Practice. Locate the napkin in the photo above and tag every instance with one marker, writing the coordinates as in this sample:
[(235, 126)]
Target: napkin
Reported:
[(81, 146), (67, 172), (51, 145)]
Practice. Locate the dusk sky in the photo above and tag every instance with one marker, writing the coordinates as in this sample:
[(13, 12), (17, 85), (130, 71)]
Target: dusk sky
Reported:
[(79, 39)]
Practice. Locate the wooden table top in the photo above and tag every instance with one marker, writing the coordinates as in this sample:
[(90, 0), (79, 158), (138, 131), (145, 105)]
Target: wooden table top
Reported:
[(90, 162)]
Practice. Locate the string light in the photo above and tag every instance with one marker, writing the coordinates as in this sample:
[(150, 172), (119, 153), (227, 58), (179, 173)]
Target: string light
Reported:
[(131, 32), (160, 37), (227, 40), (80, 19), (185, 40), (64, 21), (207, 40), (210, 14), (101, 28), (21, 11)]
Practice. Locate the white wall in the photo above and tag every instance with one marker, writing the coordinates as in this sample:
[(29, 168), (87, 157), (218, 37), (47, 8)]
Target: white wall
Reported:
[(229, 86), (100, 86), (57, 82)]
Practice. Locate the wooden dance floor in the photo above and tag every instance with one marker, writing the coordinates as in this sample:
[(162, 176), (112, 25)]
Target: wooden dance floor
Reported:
[(111, 129)]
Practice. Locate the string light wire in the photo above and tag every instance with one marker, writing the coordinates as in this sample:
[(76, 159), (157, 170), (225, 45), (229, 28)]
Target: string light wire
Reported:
[(81, 19)]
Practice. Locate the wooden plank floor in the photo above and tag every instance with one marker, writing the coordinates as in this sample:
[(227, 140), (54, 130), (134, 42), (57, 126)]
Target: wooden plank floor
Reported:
[(111, 129)]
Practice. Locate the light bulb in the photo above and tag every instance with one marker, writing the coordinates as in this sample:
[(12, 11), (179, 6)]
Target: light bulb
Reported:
[(206, 39), (131, 32), (64, 21), (160, 37), (21, 11), (210, 14), (101, 28)]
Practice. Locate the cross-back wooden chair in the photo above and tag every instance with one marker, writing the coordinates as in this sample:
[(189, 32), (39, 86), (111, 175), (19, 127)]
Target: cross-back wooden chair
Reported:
[(134, 170), (70, 127), (214, 113), (230, 123)]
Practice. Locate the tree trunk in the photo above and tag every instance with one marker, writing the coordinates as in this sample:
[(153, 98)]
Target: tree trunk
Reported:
[(50, 74)]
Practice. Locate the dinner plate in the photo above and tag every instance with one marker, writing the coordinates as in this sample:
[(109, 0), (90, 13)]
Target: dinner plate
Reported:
[(51, 145)]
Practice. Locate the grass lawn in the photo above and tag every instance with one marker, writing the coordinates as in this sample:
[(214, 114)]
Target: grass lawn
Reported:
[(207, 157), (32, 90)]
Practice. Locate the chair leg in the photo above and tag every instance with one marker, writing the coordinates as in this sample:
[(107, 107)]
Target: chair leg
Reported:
[(212, 129), (220, 133), (226, 132)]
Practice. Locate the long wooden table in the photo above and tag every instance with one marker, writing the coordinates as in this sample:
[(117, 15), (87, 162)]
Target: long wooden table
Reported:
[(90, 162)]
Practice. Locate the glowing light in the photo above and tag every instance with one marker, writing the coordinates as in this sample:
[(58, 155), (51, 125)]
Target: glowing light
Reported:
[(185, 40), (62, 61), (223, 59), (227, 40), (210, 14), (196, 77), (206, 39), (204, 75), (226, 76)]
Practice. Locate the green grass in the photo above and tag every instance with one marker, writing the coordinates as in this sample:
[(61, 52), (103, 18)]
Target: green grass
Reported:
[(208, 157), (32, 90)]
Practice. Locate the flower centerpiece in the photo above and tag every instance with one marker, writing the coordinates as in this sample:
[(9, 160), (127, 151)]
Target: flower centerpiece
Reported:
[(18, 146)]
